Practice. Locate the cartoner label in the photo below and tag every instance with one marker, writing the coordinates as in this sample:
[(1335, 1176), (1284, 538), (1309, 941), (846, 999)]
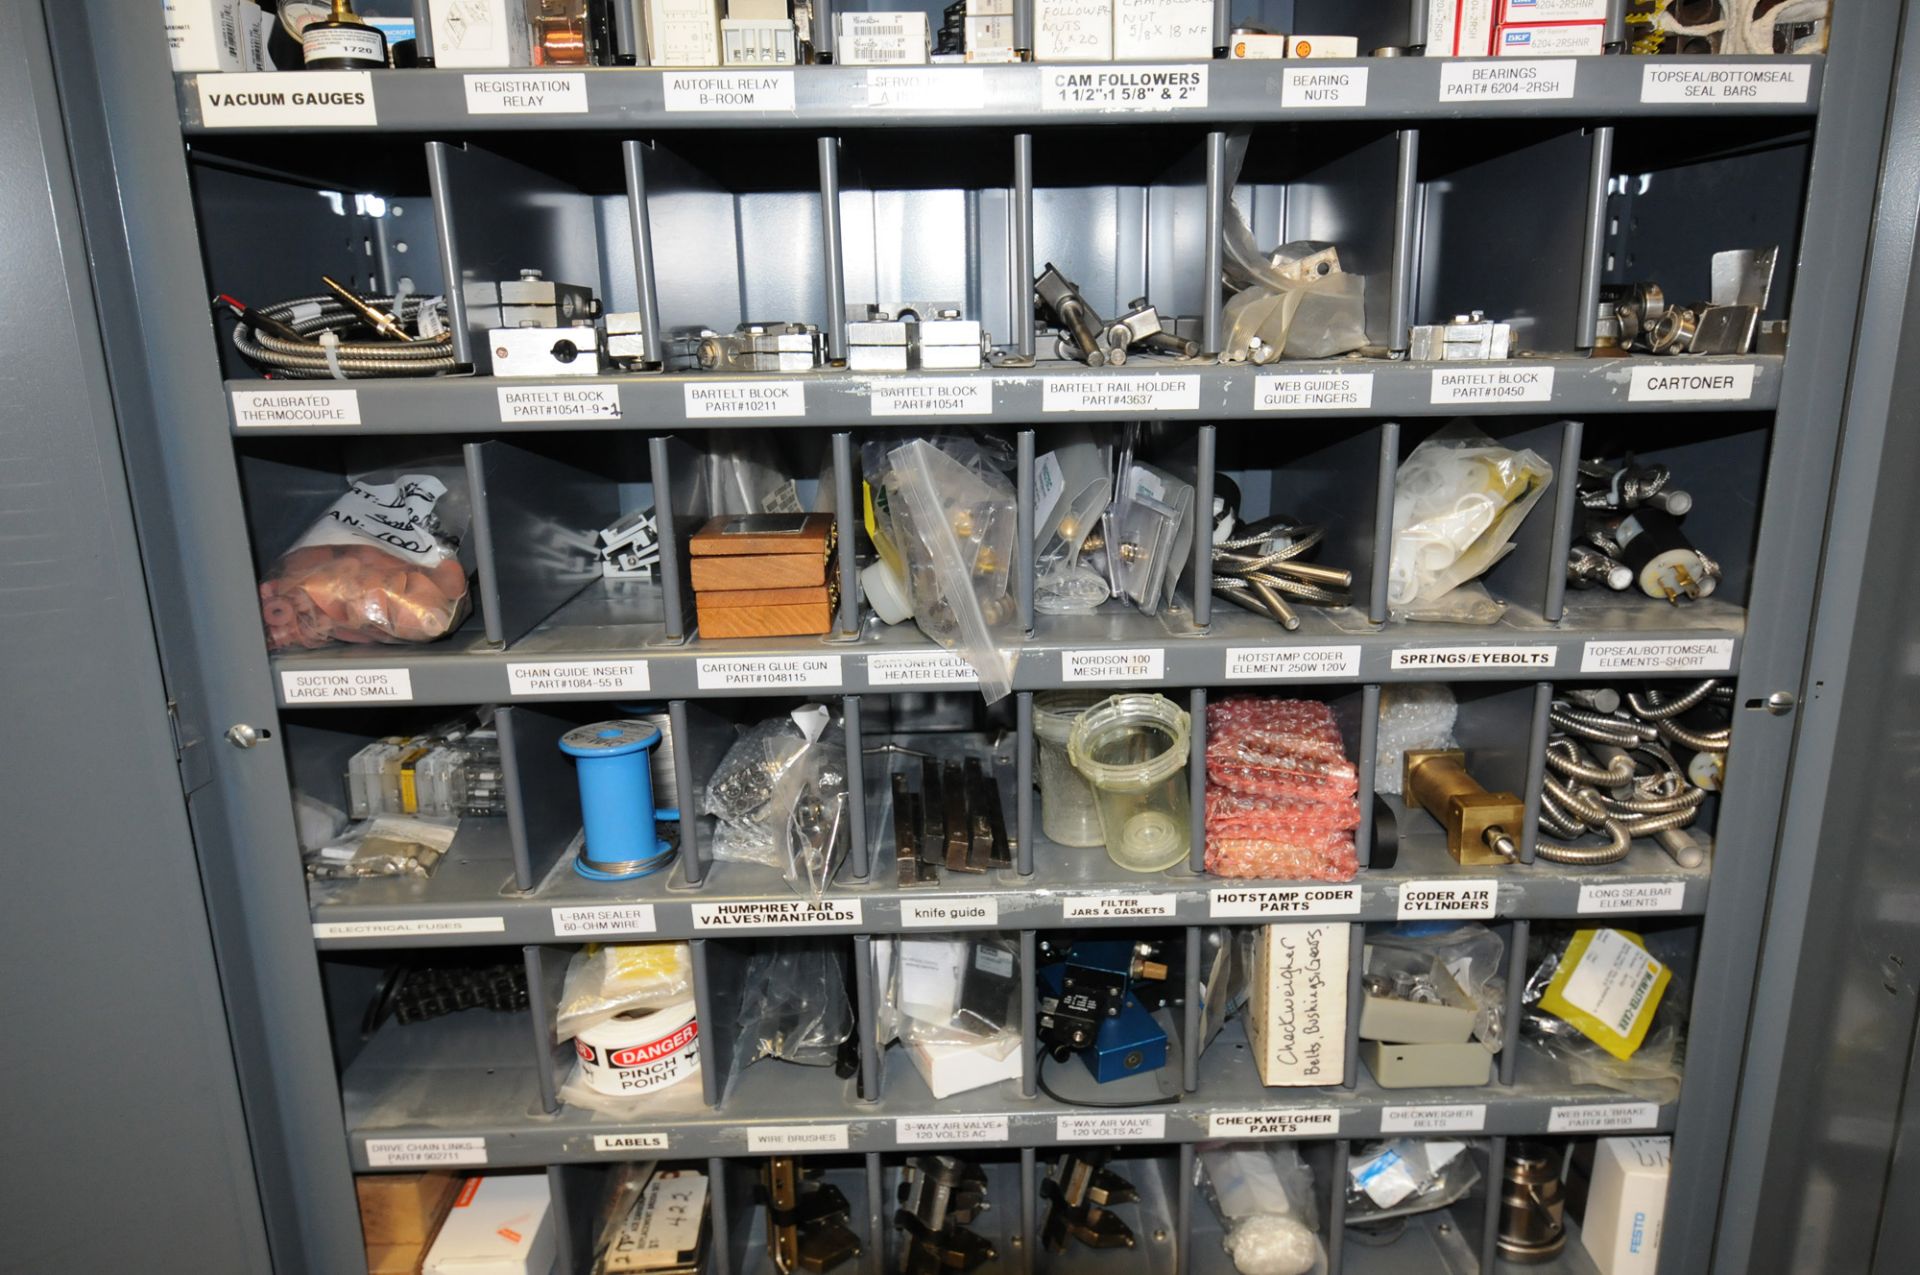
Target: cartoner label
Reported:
[(527, 93), (926, 1131), (1739, 82), (399, 1153), (1280, 1122), (1291, 663), (1134, 88), (959, 396), (1316, 85), (1686, 655), (777, 914), (942, 668), (1601, 1117), (1471, 1118), (1116, 907), (1150, 393), (1459, 657), (292, 409), (779, 672), (1666, 896), (1526, 80), (1145, 664), (745, 398), (1334, 392), (578, 677), (1279, 903), (558, 402), (1432, 900), (277, 99), (1109, 1128), (346, 686), (1484, 384), (772, 1139), (728, 90), (1692, 383)]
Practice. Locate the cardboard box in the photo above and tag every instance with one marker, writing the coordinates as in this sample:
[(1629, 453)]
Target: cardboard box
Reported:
[(880, 39), (1559, 39), (209, 35), (1162, 30), (1427, 1066), (1322, 46), (395, 1259), (1528, 12), (480, 33), (1073, 30), (1627, 1204), (1297, 1009), (1461, 28), (683, 32), (404, 1208), (952, 1069), (989, 38), (501, 1224), (1257, 47)]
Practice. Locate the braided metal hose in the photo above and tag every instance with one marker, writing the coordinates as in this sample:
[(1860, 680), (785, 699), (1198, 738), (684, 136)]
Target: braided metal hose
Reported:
[(1650, 824), (1654, 706), (1577, 800), (1689, 799), (1599, 728), (1716, 741), (1619, 840), (1564, 756), (323, 317)]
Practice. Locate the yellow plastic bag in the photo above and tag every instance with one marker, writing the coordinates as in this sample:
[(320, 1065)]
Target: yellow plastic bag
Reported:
[(1607, 987)]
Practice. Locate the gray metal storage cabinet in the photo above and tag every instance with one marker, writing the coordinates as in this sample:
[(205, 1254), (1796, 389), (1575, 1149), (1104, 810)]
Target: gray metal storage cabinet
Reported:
[(709, 217)]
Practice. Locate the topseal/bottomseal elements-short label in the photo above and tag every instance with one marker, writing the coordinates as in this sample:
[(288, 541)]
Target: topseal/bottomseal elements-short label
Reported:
[(1658, 655)]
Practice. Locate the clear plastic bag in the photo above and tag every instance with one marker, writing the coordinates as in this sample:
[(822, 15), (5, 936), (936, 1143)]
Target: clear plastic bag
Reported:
[(954, 990), (1653, 1070), (1415, 715), (385, 846), (605, 980), (1469, 951), (1458, 499), (752, 789), (817, 830), (1262, 1192), (794, 1005), (1407, 1176), (1282, 798), (382, 564)]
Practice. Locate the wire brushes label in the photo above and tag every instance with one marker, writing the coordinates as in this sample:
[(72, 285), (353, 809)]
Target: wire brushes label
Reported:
[(1291, 663), (1597, 897), (1117, 907), (776, 1139), (1471, 1118), (1110, 1128), (949, 914), (1485, 384), (1323, 86), (1322, 392), (1740, 82), (777, 914), (279, 99), (1687, 655), (1128, 88), (1120, 394), (438, 1153), (1521, 80), (925, 1131), (337, 686), (961, 396), (527, 93), (704, 91), (1286, 902), (558, 402), (1694, 383), (416, 926), (292, 409), (606, 918), (578, 677), (1298, 1122), (1596, 1117)]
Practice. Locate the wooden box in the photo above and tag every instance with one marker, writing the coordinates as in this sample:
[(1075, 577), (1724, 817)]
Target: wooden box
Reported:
[(762, 551)]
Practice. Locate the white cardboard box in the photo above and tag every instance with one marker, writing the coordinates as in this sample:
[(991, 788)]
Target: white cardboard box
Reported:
[(1162, 30), (1073, 30), (880, 39), (1460, 28), (1529, 11), (1297, 1008), (208, 35), (480, 33), (501, 1224), (683, 32), (952, 1069), (1554, 40), (1627, 1204), (1322, 46)]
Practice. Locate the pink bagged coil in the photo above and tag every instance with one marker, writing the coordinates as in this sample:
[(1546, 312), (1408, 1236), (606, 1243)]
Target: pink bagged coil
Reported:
[(1282, 797)]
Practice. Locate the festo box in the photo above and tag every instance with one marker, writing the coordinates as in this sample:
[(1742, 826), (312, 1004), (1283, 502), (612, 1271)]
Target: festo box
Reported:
[(209, 35), (1627, 1204), (1553, 40)]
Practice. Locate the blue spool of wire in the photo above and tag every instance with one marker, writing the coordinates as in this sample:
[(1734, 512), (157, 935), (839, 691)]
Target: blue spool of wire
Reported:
[(616, 800)]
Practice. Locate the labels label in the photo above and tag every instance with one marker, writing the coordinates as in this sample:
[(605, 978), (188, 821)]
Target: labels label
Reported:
[(1286, 902), (706, 399), (1667, 896), (1503, 80), (1429, 900), (291, 409), (397, 1153), (1739, 82), (1296, 1122), (927, 89), (1134, 88), (620, 1142), (1322, 86), (1488, 384), (959, 396), (1109, 1128), (769, 1139), (937, 668), (1692, 383), (776, 914), (608, 918), (1435, 1119), (346, 686), (1596, 1117), (287, 99), (1704, 655), (1116, 907), (1459, 657), (1145, 664), (918, 1131), (1291, 663), (781, 672), (395, 929), (527, 93), (558, 402), (949, 914), (1338, 392), (1121, 393), (728, 90), (578, 677)]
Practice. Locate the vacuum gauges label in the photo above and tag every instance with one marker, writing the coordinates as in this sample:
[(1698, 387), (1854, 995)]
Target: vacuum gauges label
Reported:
[(578, 677), (704, 91), (1124, 88), (1754, 82), (346, 686), (1692, 383), (284, 99), (525, 93)]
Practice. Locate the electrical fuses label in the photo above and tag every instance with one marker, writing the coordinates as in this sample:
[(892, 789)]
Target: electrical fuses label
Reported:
[(765, 1139), (577, 677), (346, 686), (1335, 392), (1483, 384), (1285, 902), (1145, 664), (745, 398), (1468, 1118), (949, 914), (927, 89), (607, 918), (1116, 907), (1527, 80), (1123, 88), (1109, 1128), (1121, 394), (1323, 86), (1686, 655), (407, 1153), (938, 668), (728, 90), (775, 672), (1291, 663), (1597, 896), (527, 93), (409, 927), (1602, 1117), (1692, 383), (1298, 1122), (558, 402), (1739, 82), (933, 1131), (279, 99), (1430, 900), (1459, 657), (613, 1143), (917, 397), (293, 409), (777, 914)]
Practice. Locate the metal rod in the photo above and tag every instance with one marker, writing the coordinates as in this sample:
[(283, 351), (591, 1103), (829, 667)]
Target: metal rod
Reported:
[(640, 224), (1022, 254), (1205, 448), (828, 149), (1217, 196), (1593, 260), (1023, 568), (846, 517)]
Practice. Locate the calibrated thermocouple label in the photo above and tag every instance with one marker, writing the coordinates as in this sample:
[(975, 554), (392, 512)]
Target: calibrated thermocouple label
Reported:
[(1297, 1122), (728, 90), (346, 686), (292, 409), (1692, 383), (527, 93), (1738, 82), (1507, 79), (1315, 85), (283, 99), (399, 1153), (578, 677), (1123, 88)]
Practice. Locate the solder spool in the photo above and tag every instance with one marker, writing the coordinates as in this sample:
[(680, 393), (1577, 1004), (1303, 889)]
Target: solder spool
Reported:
[(616, 800)]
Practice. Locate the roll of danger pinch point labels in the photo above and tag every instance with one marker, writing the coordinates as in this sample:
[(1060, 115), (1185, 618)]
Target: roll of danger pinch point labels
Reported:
[(639, 1053)]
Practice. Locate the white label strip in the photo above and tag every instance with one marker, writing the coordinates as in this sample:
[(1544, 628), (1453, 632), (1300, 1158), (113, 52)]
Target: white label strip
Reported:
[(705, 399), (728, 90), (1146, 664), (777, 672), (268, 409), (1280, 1122), (1430, 900), (949, 914), (959, 396), (927, 89), (628, 1142), (527, 93), (1688, 655), (1736, 82), (1314, 85), (1335, 392), (1486, 384), (1291, 663), (558, 402), (933, 1131), (346, 686), (400, 1153), (1459, 657), (1507, 80), (1471, 1118), (412, 926), (287, 99), (1692, 383), (1597, 897), (578, 677), (1109, 1128), (1120, 393), (1135, 88), (1599, 1117), (1111, 907), (776, 914), (1282, 903), (605, 918), (770, 1139), (940, 668)]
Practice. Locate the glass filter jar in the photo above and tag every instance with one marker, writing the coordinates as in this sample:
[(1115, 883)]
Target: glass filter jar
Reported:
[(1069, 813)]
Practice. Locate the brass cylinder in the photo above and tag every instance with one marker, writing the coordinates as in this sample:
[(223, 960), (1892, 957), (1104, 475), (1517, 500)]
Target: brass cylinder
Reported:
[(1482, 827)]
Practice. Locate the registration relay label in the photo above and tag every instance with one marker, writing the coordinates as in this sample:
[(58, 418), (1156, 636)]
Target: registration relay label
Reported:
[(1433, 900), (1133, 88), (1286, 902), (777, 914), (527, 93)]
